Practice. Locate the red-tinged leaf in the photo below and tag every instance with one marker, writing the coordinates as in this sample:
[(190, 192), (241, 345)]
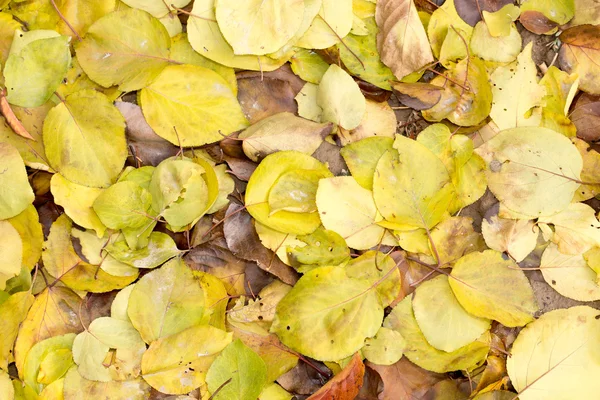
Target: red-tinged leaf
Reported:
[(585, 114), (404, 380), (11, 118), (536, 22), (345, 385)]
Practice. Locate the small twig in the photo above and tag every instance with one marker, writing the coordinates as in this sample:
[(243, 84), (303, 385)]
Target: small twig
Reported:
[(220, 388), (181, 10)]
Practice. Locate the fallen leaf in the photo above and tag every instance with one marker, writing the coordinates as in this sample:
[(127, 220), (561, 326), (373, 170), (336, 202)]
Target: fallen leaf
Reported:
[(470, 10), (78, 388), (517, 237), (555, 356), (346, 384), (243, 240), (576, 229), (385, 348), (580, 48), (404, 380), (585, 114), (15, 192), (401, 41), (11, 118), (13, 312), (340, 98), (549, 14)]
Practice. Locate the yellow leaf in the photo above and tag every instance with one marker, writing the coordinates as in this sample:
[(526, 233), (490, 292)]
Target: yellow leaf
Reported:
[(362, 157), (167, 301), (11, 252), (381, 271), (501, 49), (84, 137), (569, 275), (178, 364), (263, 179), (340, 98), (55, 311), (401, 41), (206, 38), (488, 286), (77, 201), (157, 8), (38, 371), (127, 48), (403, 194), (517, 237), (444, 322), (6, 387), (517, 80), (258, 26), (556, 356), (499, 23), (591, 164), (348, 209), (420, 352), (308, 65), (78, 388), (191, 106), (283, 131), (333, 22), (327, 315), (15, 192), (307, 102), (385, 348), (441, 22), (453, 238), (560, 91), (12, 312), (576, 228), (532, 171), (379, 120)]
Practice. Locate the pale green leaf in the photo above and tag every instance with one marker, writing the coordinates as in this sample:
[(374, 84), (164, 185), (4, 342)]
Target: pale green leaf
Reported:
[(15, 192)]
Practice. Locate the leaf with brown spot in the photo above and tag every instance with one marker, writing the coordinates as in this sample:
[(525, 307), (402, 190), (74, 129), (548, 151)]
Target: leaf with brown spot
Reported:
[(420, 96), (243, 240), (580, 53), (345, 385), (585, 114), (401, 41)]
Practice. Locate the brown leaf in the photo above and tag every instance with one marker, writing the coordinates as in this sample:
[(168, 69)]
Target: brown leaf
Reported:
[(536, 22), (11, 118), (402, 42), (373, 92), (404, 380), (96, 305), (420, 96), (264, 94), (241, 168), (585, 115), (303, 379), (470, 10), (370, 388), (580, 52), (243, 240), (146, 147), (345, 385), (330, 154)]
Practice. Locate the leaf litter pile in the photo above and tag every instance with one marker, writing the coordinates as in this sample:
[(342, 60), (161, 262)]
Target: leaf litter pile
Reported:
[(277, 199)]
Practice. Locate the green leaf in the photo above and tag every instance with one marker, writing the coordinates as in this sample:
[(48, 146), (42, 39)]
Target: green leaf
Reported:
[(385, 348), (36, 357), (340, 98), (124, 205), (15, 192), (178, 364), (420, 352), (239, 370), (444, 322), (323, 247), (160, 248), (404, 195), (489, 286), (35, 70), (167, 301), (84, 137), (328, 315), (191, 106), (532, 171), (362, 157), (308, 65), (128, 48)]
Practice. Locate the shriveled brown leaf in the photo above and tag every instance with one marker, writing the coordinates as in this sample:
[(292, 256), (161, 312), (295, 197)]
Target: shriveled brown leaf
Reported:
[(580, 53), (330, 154), (402, 42), (304, 379), (373, 92), (96, 305), (420, 96), (536, 22), (585, 114), (241, 168), (11, 118), (145, 146), (346, 384), (404, 380), (265, 94), (370, 388), (470, 10), (243, 240)]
